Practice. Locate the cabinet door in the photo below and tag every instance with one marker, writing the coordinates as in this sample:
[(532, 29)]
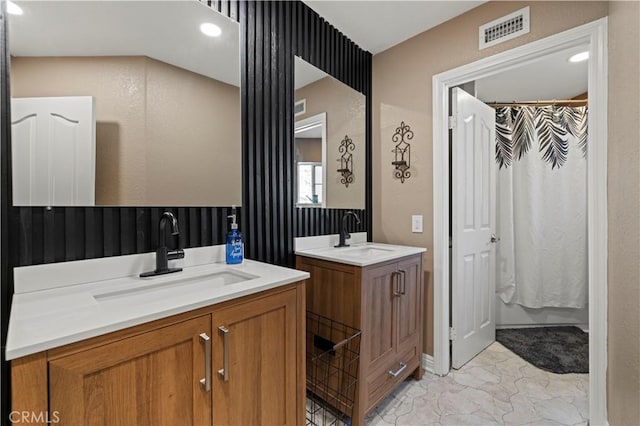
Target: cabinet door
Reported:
[(255, 362), (409, 304), (379, 329), (149, 379)]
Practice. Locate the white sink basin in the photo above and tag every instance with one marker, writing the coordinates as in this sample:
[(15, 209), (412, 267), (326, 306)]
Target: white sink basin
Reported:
[(361, 254), (366, 251), (213, 279)]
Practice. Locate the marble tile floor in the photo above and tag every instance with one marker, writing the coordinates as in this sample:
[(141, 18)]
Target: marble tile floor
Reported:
[(495, 388)]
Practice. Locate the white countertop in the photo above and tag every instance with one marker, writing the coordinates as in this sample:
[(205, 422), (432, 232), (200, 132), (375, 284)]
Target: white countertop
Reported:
[(51, 317), (361, 254)]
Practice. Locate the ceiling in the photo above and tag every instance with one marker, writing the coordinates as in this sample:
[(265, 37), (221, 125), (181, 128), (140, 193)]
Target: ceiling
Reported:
[(175, 25), (376, 26), (168, 31), (550, 77)]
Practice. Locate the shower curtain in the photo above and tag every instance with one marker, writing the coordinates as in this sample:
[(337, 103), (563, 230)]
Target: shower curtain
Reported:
[(541, 258)]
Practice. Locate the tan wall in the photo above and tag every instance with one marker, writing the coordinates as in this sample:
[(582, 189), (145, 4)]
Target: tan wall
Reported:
[(623, 384), (193, 127), (402, 81), (153, 119), (308, 149), (345, 110)]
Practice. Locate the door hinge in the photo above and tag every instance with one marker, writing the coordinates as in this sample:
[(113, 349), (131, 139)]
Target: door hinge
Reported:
[(452, 333), (452, 122)]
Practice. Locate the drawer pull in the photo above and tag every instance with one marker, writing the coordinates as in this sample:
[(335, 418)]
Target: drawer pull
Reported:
[(404, 282), (206, 382), (398, 371), (395, 277), (224, 371)]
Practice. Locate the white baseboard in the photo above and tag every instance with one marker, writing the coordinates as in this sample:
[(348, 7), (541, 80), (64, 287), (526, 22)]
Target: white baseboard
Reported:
[(427, 363)]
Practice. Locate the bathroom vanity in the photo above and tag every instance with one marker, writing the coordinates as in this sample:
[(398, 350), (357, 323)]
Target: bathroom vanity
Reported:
[(213, 344), (378, 289)]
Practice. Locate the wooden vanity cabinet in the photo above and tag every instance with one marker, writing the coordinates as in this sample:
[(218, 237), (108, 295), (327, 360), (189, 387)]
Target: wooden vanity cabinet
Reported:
[(154, 374), (385, 302)]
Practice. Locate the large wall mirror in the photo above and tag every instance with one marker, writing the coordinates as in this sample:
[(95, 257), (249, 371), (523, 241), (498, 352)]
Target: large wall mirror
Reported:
[(124, 103), (329, 133)]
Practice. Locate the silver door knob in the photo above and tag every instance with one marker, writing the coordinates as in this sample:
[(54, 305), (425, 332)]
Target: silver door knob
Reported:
[(494, 239)]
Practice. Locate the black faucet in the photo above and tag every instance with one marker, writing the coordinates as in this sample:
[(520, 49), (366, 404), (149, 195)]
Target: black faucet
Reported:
[(163, 255), (344, 234)]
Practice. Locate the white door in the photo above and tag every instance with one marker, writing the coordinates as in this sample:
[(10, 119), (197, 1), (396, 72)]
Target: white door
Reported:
[(53, 151), (473, 223)]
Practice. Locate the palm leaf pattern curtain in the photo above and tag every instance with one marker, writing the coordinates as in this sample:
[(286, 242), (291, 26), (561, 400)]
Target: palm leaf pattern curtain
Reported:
[(518, 127), (541, 197)]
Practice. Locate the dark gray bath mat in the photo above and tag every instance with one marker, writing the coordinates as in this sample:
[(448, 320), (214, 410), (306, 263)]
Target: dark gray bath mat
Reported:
[(555, 349)]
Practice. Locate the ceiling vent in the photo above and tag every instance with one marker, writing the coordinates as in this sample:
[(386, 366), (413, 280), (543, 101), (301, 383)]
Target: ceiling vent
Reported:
[(511, 26), (300, 108)]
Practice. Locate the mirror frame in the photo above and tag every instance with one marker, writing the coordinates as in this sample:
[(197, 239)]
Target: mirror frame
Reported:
[(351, 66)]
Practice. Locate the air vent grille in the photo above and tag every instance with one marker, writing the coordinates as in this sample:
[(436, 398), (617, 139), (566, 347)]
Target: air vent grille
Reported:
[(505, 28), (300, 108)]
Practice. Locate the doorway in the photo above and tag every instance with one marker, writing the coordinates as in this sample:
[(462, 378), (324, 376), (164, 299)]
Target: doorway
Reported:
[(592, 35), (528, 200)]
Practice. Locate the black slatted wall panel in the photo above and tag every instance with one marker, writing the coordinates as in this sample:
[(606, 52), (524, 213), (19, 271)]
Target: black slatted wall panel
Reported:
[(273, 33), (59, 234), (317, 221)]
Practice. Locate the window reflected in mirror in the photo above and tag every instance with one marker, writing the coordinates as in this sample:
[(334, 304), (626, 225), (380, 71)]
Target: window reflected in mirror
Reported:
[(310, 155), (310, 177)]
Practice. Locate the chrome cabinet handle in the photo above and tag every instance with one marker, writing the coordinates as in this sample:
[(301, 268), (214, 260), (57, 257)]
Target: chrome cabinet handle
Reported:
[(396, 284), (404, 282), (398, 371), (224, 371), (206, 382)]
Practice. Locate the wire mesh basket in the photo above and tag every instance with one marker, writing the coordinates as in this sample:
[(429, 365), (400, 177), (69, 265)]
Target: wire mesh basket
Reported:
[(333, 354)]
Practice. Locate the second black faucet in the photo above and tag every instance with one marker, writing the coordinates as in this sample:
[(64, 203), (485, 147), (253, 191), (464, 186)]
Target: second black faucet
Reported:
[(344, 233)]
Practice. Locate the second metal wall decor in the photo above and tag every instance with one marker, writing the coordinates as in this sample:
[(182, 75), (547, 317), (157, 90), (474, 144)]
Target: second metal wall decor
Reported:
[(346, 160), (402, 151)]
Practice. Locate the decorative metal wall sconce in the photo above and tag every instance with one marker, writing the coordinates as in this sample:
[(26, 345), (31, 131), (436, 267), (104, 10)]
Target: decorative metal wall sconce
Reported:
[(346, 160), (402, 152)]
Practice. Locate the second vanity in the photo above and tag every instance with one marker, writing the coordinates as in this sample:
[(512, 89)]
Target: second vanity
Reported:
[(375, 288), (91, 342)]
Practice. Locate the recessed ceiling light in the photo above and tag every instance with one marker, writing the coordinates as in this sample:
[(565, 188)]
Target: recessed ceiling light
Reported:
[(210, 29), (13, 8), (579, 57)]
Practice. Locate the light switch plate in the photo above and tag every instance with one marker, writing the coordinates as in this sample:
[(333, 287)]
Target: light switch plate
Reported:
[(416, 223)]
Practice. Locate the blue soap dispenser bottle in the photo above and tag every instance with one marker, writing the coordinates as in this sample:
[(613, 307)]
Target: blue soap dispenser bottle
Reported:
[(235, 245)]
